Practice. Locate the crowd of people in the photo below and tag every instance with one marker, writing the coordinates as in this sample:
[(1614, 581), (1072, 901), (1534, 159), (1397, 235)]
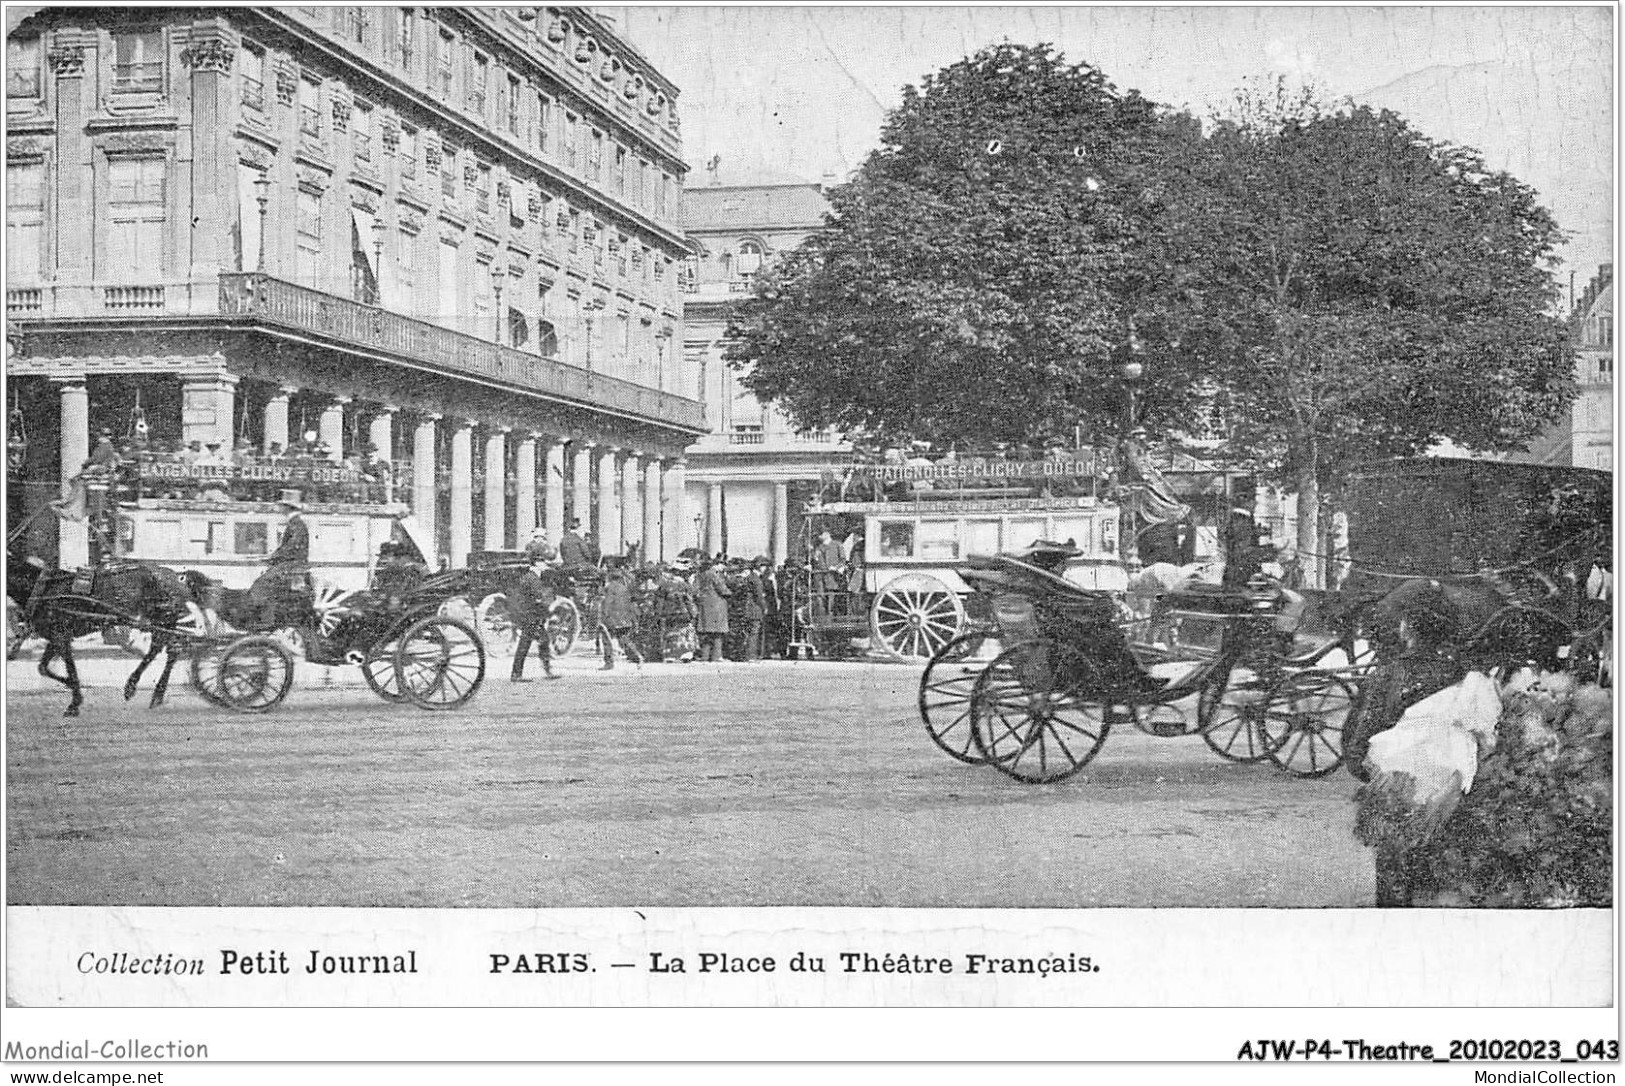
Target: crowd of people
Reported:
[(141, 467)]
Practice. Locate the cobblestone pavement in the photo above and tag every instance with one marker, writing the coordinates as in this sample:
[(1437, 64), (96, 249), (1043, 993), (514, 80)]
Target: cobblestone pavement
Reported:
[(685, 785)]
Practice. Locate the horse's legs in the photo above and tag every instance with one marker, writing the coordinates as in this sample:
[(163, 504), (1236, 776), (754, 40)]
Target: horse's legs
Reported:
[(73, 680), (162, 688), (135, 676), (49, 654)]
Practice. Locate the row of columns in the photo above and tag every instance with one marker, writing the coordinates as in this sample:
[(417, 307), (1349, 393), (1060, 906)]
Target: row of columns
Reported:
[(635, 500), (781, 520)]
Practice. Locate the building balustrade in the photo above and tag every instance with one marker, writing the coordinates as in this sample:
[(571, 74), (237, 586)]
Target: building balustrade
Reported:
[(24, 300), (453, 353), (124, 298)]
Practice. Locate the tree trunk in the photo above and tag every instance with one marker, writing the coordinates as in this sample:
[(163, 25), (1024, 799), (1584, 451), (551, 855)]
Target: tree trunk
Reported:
[(1310, 558)]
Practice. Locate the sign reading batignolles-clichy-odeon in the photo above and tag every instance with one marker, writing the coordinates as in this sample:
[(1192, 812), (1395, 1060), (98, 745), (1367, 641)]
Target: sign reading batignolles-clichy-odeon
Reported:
[(958, 506), (1071, 465), (276, 473)]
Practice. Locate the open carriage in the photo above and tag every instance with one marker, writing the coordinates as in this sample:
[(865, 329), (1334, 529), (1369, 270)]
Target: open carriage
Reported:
[(1064, 674)]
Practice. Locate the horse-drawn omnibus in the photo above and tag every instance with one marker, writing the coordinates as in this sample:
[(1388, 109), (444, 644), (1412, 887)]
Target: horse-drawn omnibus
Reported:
[(904, 529)]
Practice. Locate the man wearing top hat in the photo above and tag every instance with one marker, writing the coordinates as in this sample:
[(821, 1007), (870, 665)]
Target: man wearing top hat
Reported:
[(288, 565), (573, 547)]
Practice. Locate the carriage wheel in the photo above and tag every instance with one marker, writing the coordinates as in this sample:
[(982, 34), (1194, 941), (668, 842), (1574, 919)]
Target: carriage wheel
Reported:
[(1032, 715), (1303, 720), (914, 616), (945, 697), (249, 675), (494, 621), (440, 662), (564, 624), (1233, 719), (382, 676)]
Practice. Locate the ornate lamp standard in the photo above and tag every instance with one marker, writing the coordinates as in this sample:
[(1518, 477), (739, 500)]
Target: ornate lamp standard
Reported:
[(378, 261), (498, 275), (262, 196), (1132, 372)]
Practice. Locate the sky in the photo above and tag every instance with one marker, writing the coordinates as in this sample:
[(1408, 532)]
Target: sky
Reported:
[(800, 92)]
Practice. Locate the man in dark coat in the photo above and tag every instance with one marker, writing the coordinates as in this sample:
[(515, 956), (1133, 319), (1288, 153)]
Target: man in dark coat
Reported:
[(776, 626), (528, 604), (753, 611), (827, 561), (573, 548), (712, 593), (288, 566), (619, 617)]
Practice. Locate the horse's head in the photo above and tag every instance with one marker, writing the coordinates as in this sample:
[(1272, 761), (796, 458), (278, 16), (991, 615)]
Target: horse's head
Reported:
[(23, 572)]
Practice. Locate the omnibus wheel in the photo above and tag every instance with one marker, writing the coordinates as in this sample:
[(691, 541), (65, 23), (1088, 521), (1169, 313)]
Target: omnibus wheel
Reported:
[(946, 686), (249, 675), (1032, 713), (563, 625), (1303, 720), (440, 662), (914, 616), (1233, 719), (495, 623)]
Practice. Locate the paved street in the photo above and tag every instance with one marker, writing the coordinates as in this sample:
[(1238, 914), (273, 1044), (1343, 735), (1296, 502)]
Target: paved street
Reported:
[(685, 785)]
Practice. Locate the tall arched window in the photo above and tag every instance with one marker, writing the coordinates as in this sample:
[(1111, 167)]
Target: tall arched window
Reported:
[(749, 260)]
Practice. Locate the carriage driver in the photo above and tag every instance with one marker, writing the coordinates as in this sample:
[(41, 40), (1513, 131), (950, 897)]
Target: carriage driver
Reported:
[(288, 565)]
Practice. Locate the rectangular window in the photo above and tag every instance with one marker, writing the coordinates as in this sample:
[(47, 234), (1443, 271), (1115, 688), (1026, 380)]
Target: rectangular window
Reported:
[(483, 325), (512, 104), (408, 152), (404, 44), (361, 131), (310, 111), (252, 538), (136, 215), (595, 160), (251, 73), (248, 217), (544, 122), (404, 286), (23, 68), (641, 196), (623, 333), (355, 24), (445, 64), (138, 61), (897, 539), (575, 231), (448, 173), (621, 251), (308, 240), (620, 169), (479, 83), (447, 294), (482, 190), (25, 222), (663, 200), (570, 139)]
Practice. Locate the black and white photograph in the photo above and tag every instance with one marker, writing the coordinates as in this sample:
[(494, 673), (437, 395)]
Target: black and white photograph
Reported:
[(708, 506)]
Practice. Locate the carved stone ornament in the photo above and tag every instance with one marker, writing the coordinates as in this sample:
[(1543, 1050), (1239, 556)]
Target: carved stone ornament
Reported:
[(432, 152), (564, 219), (606, 71), (633, 88), (410, 221), (504, 192), (655, 104), (367, 201), (471, 174), (557, 31), (208, 55), (341, 115), (392, 136), (533, 205), (287, 83), (313, 180), (67, 60), (254, 155), (450, 234), (584, 50), (25, 148), (134, 143)]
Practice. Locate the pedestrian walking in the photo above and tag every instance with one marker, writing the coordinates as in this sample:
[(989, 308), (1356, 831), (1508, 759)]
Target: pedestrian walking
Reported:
[(619, 618), (528, 604), (675, 606), (712, 594)]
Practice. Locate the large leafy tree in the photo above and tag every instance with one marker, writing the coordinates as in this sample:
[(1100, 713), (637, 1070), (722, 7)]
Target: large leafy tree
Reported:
[(1357, 290), (980, 276)]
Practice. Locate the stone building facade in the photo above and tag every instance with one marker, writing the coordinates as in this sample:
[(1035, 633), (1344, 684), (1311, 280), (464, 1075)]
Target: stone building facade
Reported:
[(750, 475), (450, 233), (1584, 437)]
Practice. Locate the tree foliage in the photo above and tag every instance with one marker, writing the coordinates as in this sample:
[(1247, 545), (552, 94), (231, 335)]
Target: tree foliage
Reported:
[(978, 275)]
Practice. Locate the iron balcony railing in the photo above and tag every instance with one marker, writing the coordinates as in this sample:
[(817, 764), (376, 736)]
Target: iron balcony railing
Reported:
[(275, 302)]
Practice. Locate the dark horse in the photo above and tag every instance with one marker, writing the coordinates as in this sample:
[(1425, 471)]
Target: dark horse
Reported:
[(119, 594)]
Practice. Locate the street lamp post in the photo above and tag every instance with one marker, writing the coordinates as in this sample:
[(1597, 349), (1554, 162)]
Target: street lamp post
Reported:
[(498, 274), (1133, 373), (262, 196), (378, 262)]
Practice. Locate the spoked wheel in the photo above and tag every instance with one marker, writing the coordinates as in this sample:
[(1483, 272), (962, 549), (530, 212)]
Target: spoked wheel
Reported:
[(914, 616), (440, 663), (945, 697), (563, 625), (1304, 719), (495, 623), (382, 675), (1232, 718), (249, 675), (1031, 713)]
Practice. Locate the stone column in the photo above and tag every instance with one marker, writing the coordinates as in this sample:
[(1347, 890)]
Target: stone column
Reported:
[(73, 539), (781, 523), (225, 411), (462, 492), (276, 419), (631, 504), (73, 178), (674, 520), (206, 408), (713, 518), (330, 430), (553, 490), (609, 505), (496, 489), (381, 432), (581, 498), (524, 514), (651, 510), (424, 491), (213, 189)]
